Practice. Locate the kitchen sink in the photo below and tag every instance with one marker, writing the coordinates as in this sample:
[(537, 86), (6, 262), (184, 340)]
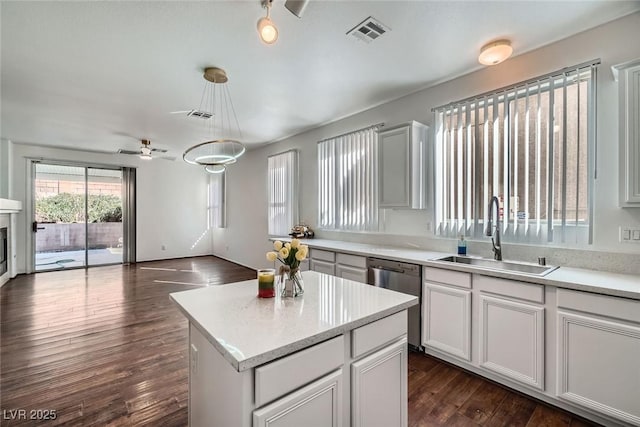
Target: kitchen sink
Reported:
[(506, 266)]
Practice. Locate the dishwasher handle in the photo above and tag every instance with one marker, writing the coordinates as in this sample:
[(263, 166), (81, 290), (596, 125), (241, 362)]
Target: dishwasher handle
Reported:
[(379, 267)]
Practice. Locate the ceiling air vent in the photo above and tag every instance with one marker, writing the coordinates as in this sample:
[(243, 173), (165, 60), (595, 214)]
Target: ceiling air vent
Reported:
[(368, 30), (199, 114)]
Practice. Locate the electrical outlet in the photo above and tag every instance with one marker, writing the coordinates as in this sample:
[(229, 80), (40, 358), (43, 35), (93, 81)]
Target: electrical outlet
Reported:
[(194, 359), (163, 247), (629, 234)]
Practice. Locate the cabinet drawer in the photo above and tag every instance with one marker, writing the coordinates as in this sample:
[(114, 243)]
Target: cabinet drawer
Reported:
[(351, 260), (278, 378), (378, 333), (510, 288), (323, 255), (352, 273), (604, 305), (323, 267), (448, 277)]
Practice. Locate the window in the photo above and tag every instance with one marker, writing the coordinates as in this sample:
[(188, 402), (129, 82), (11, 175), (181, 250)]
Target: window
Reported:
[(348, 181), (217, 202), (282, 177), (532, 146)]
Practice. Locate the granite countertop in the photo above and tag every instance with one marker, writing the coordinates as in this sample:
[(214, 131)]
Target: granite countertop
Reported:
[(607, 283), (250, 331)]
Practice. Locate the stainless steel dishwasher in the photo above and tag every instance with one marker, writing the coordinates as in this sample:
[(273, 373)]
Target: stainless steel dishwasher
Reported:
[(401, 277)]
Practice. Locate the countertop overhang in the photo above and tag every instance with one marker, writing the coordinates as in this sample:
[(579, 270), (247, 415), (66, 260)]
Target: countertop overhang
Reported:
[(249, 331)]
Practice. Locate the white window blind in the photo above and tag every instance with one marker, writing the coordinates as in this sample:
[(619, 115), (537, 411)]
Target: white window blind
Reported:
[(282, 180), (217, 212), (533, 146), (348, 181)]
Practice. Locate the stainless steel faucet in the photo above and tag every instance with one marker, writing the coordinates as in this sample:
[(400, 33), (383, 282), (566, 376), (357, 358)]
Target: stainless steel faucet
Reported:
[(497, 246)]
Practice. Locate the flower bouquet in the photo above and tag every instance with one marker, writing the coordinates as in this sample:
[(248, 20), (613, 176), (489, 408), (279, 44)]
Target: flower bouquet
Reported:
[(290, 255)]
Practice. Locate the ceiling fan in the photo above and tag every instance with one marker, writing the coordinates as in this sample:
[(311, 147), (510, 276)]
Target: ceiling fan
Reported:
[(145, 151)]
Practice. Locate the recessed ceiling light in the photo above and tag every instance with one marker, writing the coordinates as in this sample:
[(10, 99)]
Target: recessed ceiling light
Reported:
[(495, 52)]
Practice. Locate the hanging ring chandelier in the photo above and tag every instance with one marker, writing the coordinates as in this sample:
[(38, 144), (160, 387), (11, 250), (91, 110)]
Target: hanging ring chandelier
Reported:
[(224, 148)]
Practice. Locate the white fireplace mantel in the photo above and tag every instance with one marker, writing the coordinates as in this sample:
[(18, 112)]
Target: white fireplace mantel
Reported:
[(8, 206), (8, 209)]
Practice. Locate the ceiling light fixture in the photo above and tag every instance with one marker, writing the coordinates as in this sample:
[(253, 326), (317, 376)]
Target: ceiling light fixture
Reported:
[(266, 28), (145, 151), (215, 168), (223, 148), (495, 52)]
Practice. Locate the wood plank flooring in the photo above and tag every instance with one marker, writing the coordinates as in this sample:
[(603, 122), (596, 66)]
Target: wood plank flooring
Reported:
[(105, 346)]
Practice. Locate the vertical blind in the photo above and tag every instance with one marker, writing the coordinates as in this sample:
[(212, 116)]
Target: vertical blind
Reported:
[(282, 192), (533, 146), (217, 200), (348, 181)]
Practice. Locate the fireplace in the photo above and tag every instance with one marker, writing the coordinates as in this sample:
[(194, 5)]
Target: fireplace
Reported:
[(4, 253)]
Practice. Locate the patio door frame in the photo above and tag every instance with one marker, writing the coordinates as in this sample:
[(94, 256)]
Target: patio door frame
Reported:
[(128, 218)]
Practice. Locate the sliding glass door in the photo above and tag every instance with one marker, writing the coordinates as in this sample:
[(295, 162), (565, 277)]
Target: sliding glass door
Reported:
[(78, 216), (104, 228)]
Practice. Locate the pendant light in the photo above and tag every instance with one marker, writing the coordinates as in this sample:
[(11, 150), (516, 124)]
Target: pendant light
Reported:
[(224, 148), (266, 28), (495, 52)]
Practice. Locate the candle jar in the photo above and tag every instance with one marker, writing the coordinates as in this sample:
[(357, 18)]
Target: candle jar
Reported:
[(266, 283)]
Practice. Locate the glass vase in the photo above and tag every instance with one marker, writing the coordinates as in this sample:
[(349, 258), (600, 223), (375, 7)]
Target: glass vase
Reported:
[(292, 284)]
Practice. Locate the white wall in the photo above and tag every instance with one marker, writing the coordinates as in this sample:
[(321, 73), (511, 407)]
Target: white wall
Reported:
[(171, 202), (245, 238), (5, 168)]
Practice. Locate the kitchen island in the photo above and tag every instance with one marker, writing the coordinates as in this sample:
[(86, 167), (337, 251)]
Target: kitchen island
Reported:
[(337, 356)]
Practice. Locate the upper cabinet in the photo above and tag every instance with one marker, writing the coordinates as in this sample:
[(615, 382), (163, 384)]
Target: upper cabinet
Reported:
[(403, 166), (628, 76)]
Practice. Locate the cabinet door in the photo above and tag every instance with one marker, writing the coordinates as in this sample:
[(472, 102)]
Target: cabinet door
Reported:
[(630, 134), (318, 404), (447, 320), (394, 170), (598, 365), (352, 273), (512, 340), (379, 388), (323, 267)]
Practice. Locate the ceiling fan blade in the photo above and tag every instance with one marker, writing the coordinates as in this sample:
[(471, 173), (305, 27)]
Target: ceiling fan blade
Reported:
[(296, 6)]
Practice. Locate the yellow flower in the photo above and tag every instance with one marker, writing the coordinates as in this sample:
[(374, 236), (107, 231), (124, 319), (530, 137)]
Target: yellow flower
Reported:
[(305, 248), (277, 245), (287, 245), (284, 252), (300, 255), (295, 243), (271, 256)]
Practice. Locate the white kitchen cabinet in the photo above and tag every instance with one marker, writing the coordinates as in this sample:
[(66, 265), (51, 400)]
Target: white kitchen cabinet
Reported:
[(322, 261), (325, 267), (629, 131), (447, 319), (379, 388), (598, 346), (511, 329), (318, 404), (403, 165), (351, 267), (511, 339)]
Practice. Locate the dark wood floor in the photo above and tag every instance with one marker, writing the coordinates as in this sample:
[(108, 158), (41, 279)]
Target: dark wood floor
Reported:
[(105, 346)]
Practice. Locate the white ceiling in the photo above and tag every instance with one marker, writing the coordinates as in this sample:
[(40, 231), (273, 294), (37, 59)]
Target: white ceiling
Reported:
[(98, 74)]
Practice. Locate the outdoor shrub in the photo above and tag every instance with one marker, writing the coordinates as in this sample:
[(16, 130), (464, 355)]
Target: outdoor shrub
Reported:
[(67, 207)]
